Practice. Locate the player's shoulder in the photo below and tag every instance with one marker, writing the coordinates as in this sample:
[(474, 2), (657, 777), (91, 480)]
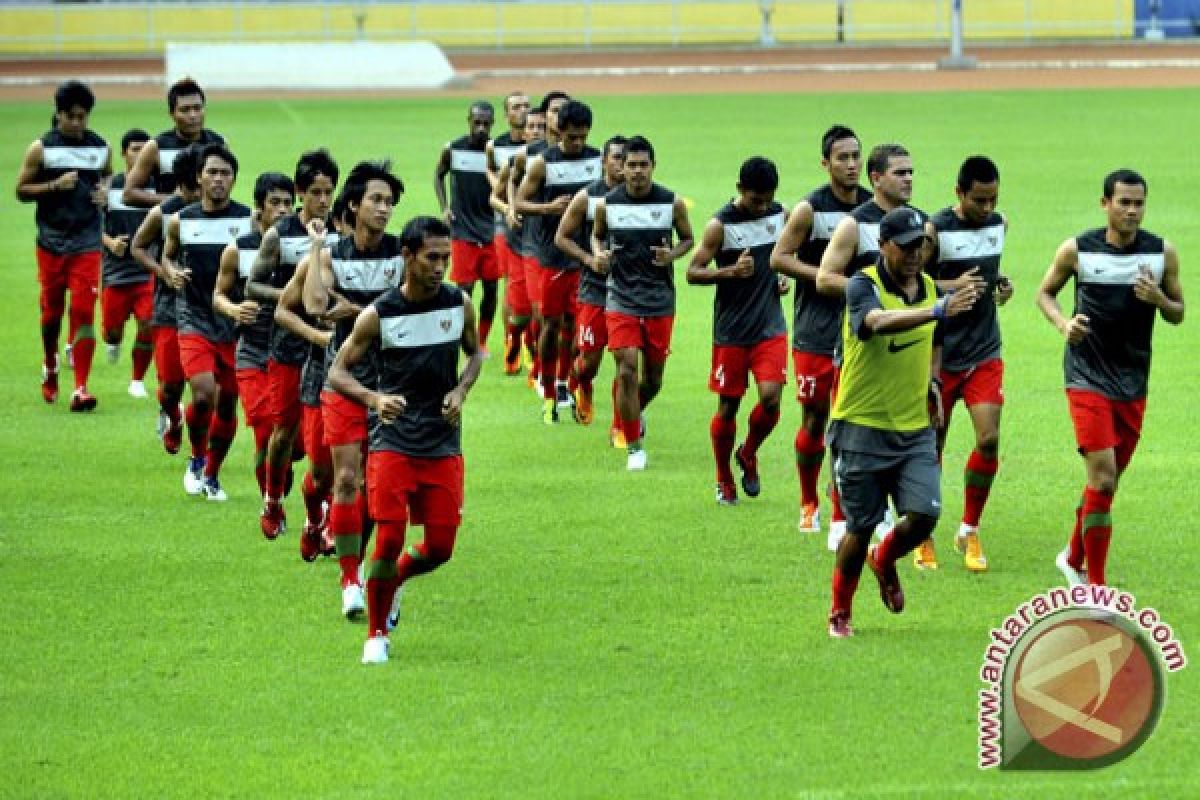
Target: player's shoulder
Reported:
[(236, 209), (945, 219)]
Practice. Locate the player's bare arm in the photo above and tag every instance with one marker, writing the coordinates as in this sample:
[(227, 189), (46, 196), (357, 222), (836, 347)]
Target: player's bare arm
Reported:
[(698, 271), (453, 402), (535, 176), (937, 409), (149, 232), (318, 281), (291, 299), (666, 254), (29, 190), (948, 305), (1065, 263), (602, 256), (1004, 285), (498, 199), (117, 245), (439, 184), (266, 261), (243, 313), (971, 277), (572, 220), (831, 275), (172, 275), (1166, 296), (795, 233), (489, 165), (135, 192), (354, 350)]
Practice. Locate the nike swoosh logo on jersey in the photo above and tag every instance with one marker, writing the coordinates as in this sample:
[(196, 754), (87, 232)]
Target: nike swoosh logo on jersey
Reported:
[(896, 348)]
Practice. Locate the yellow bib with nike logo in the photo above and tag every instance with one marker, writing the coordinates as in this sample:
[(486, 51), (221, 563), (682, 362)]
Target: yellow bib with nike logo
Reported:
[(885, 379)]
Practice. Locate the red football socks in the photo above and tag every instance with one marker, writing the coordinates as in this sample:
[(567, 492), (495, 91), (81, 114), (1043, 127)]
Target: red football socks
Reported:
[(1097, 531), (723, 433), (977, 484)]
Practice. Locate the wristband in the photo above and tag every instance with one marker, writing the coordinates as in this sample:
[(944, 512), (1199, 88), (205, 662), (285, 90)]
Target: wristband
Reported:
[(939, 308)]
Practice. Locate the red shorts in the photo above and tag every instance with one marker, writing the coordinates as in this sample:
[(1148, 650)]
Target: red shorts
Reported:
[(560, 292), (470, 262), (199, 356), (166, 355), (533, 281), (119, 303), (815, 379), (345, 420), (313, 435), (504, 254), (1102, 423), (591, 328), (431, 487), (516, 289), (983, 384), (285, 393), (78, 272), (652, 335), (256, 400), (731, 364)]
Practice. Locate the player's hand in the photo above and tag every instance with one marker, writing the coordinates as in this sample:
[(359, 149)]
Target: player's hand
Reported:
[(448, 216), (961, 300), (100, 197), (245, 312), (120, 245), (1004, 290), (782, 285), (388, 406), (66, 182), (340, 310), (663, 257), (971, 277), (175, 277), (1147, 289), (452, 405), (513, 219), (601, 262), (316, 233), (937, 413), (558, 205), (742, 268), (1076, 328)]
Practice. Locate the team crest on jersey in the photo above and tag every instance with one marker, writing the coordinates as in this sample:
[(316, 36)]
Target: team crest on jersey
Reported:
[(389, 272), (234, 230), (992, 240), (771, 228), (656, 214), (446, 322)]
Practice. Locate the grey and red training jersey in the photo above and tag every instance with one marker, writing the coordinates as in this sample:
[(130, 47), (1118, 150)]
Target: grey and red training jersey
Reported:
[(203, 235), (636, 285), (747, 311), (68, 221), (361, 276), (974, 336), (122, 220), (469, 192)]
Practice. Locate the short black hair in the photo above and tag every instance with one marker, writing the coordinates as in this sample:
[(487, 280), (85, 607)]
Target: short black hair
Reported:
[(482, 105), (615, 141), (133, 136), (183, 88), (269, 182), (314, 163), (340, 210), (186, 166), (835, 134), (74, 93), (1126, 176), (220, 151), (574, 115), (758, 174), (550, 97), (508, 98), (418, 229), (977, 169), (639, 144), (881, 154), (366, 171)]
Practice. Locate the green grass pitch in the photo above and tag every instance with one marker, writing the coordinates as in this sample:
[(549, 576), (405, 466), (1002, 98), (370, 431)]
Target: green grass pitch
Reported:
[(598, 634)]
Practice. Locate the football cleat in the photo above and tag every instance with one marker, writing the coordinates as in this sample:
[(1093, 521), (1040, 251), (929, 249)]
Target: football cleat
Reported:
[(393, 619), (889, 583), (839, 625), (137, 390), (749, 468), (726, 494), (925, 557), (375, 650), (353, 603), (1075, 577), (549, 411), (636, 462), (810, 519), (584, 410), (113, 352), (562, 396), (213, 490), (273, 521), (82, 401), (50, 382), (193, 476), (616, 438), (967, 543)]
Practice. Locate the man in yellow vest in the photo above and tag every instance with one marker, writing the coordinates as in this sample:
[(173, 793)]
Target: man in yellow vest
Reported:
[(887, 408)]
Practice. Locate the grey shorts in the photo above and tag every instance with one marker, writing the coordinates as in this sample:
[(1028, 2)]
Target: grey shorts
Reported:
[(865, 481)]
